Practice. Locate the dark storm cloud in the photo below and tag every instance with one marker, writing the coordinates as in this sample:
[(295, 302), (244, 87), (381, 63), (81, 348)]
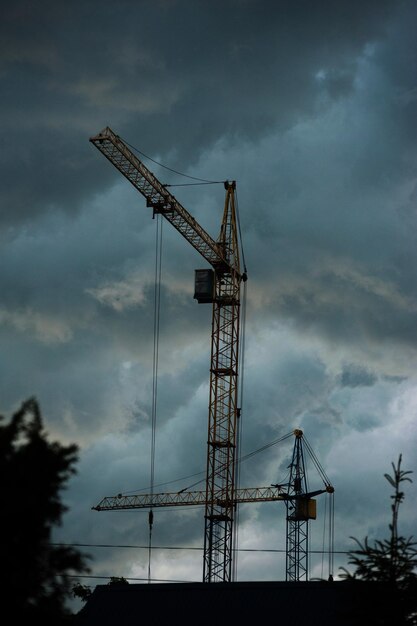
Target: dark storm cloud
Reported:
[(356, 376), (342, 310), (195, 71), (310, 106)]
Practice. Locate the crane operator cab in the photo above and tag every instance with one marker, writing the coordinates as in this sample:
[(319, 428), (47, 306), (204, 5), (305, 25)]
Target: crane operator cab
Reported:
[(204, 286)]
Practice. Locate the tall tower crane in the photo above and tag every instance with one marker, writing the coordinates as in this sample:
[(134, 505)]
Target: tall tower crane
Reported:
[(221, 287)]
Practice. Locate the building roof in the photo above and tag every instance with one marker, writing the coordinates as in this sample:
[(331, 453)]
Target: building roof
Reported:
[(316, 603)]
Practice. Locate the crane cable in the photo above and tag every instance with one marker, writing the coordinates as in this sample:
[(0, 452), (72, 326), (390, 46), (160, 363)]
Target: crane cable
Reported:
[(239, 421), (241, 357), (156, 321), (317, 463), (203, 181), (240, 237), (328, 512), (331, 534), (240, 460), (324, 537), (328, 520)]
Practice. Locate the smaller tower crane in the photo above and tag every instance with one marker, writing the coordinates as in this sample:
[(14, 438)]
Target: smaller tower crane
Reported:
[(300, 504), (301, 507)]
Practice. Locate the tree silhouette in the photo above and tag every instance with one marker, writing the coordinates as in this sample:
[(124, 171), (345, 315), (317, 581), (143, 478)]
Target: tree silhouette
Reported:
[(35, 575), (393, 560), (84, 591)]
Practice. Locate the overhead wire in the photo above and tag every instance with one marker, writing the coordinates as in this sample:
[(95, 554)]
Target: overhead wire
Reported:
[(189, 548), (111, 545), (192, 548), (159, 580)]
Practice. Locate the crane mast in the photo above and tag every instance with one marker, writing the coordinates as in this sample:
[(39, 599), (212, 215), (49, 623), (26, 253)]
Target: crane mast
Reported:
[(298, 516), (223, 256), (223, 409)]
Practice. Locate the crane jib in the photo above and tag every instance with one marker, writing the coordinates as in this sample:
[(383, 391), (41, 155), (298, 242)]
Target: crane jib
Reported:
[(160, 199)]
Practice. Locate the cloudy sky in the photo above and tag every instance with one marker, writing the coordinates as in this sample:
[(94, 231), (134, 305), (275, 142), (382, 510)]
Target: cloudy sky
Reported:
[(311, 108)]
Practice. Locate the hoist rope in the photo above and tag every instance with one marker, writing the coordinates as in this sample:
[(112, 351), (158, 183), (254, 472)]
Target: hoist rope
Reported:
[(324, 537), (156, 319), (329, 524), (331, 534), (239, 424)]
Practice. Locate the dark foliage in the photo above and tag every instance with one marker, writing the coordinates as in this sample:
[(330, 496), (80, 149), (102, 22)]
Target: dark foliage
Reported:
[(84, 591), (118, 580), (392, 561), (81, 591), (35, 575)]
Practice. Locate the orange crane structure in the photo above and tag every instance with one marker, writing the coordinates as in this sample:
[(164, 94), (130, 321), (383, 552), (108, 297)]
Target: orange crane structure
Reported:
[(220, 286)]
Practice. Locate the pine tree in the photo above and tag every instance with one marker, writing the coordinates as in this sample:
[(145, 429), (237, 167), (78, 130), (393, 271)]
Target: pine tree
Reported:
[(393, 560)]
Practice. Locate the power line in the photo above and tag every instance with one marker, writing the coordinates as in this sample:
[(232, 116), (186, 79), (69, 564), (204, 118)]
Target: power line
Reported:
[(111, 545), (159, 580)]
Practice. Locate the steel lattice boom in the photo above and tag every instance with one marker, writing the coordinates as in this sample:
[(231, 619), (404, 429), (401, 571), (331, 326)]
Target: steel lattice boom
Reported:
[(146, 501), (157, 195)]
